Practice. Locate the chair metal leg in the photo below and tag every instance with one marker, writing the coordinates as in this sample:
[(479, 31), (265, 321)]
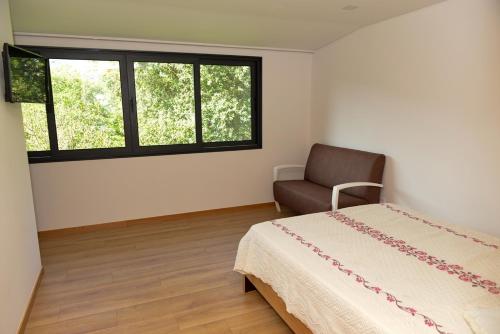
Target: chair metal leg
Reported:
[(278, 208)]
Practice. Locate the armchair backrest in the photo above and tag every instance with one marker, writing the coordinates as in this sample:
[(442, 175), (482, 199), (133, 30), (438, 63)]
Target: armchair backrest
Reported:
[(329, 166)]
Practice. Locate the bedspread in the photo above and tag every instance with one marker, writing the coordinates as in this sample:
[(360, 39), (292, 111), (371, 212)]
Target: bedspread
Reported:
[(374, 269)]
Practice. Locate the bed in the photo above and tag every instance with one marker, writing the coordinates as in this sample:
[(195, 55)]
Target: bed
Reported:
[(374, 269)]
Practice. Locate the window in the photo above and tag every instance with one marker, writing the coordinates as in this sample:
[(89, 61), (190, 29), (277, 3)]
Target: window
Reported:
[(36, 130), (87, 103), (226, 103), (107, 104), (165, 103)]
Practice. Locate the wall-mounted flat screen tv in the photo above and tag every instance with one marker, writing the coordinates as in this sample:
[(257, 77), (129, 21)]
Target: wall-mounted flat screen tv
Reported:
[(25, 75)]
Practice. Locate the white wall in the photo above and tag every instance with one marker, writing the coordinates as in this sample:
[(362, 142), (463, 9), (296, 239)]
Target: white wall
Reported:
[(19, 253), (423, 88), (99, 191)]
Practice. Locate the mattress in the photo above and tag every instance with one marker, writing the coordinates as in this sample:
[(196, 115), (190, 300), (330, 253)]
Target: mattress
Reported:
[(375, 269)]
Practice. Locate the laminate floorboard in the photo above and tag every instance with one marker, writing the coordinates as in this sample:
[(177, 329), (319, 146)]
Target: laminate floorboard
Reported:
[(160, 277)]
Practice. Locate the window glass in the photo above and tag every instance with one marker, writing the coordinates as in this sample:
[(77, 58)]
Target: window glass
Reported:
[(35, 127), (226, 103), (165, 103), (115, 103), (27, 74), (87, 103)]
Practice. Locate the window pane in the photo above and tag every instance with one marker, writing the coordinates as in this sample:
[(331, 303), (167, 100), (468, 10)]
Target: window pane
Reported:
[(27, 77), (165, 103), (36, 130), (87, 103), (226, 103)]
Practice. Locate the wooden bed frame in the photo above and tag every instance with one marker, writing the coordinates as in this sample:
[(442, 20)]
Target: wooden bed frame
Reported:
[(252, 283)]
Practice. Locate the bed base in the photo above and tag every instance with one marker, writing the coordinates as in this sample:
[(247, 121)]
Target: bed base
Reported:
[(252, 283)]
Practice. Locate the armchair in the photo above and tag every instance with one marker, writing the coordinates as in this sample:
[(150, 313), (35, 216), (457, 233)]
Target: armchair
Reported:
[(333, 178)]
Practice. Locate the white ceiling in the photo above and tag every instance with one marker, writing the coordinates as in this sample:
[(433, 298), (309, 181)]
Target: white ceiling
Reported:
[(290, 24)]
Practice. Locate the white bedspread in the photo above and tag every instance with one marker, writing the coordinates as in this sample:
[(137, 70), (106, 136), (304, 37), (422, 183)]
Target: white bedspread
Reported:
[(375, 269)]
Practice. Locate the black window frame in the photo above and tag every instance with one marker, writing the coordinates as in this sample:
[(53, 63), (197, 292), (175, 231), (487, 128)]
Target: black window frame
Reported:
[(132, 148)]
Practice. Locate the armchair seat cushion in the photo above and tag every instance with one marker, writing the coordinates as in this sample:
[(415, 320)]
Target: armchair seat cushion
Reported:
[(307, 197)]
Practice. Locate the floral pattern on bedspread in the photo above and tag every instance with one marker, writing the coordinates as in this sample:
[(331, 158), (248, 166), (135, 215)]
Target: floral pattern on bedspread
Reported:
[(389, 297), (440, 227), (452, 269)]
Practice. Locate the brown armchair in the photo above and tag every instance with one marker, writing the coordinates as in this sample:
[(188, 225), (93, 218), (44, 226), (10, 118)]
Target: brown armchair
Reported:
[(333, 178)]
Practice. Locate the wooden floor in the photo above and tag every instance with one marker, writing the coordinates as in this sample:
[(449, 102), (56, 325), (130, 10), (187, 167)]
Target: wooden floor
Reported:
[(163, 277)]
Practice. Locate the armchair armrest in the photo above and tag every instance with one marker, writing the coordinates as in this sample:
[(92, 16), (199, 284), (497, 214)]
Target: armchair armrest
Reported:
[(278, 169), (338, 188)]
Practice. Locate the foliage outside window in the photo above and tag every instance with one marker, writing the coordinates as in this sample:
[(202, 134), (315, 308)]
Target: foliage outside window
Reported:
[(27, 82), (105, 104), (87, 103), (36, 131), (226, 99), (165, 103)]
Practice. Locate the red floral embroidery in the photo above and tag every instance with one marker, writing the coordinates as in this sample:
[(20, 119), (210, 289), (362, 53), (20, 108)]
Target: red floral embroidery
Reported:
[(366, 284), (406, 214), (488, 283), (401, 245), (494, 290)]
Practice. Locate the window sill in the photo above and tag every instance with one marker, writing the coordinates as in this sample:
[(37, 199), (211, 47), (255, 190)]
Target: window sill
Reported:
[(79, 155)]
